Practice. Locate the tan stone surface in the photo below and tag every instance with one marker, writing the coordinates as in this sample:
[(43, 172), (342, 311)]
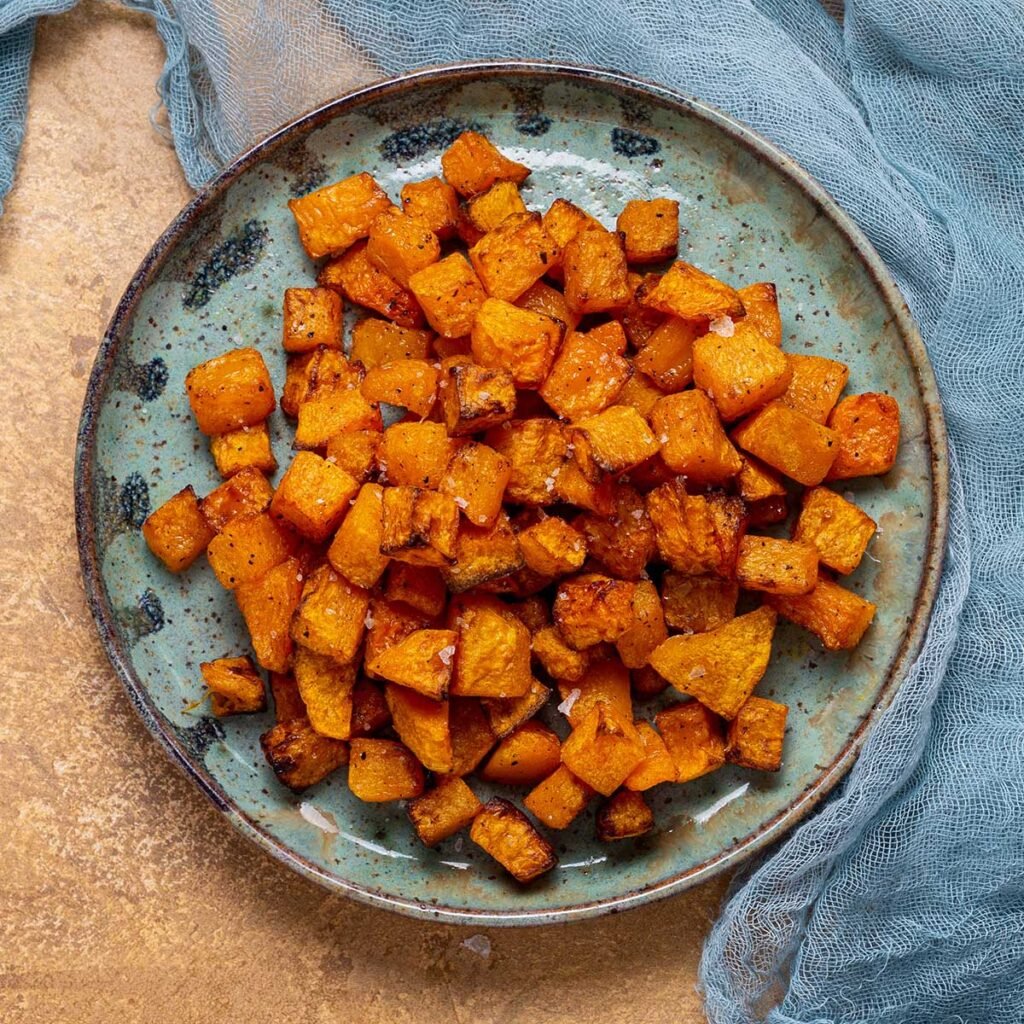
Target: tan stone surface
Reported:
[(124, 896)]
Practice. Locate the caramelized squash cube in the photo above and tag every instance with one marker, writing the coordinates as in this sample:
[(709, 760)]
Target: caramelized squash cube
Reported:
[(513, 256), (369, 709), (364, 283), (357, 452), (422, 661), (637, 320), (435, 203), (376, 342), (230, 391), (419, 586), (614, 441), (332, 218), (756, 734), (557, 658), (267, 605), (536, 449), (564, 221), (603, 749), (693, 442), (415, 454), (401, 245), (494, 655), (559, 799), (504, 832), (312, 317), (838, 617), (520, 341), (694, 738), (835, 527), (595, 272), (296, 387), (721, 667), (326, 690), (572, 487), (623, 542), (388, 623), (790, 442), (639, 641), (248, 545), (444, 810), (667, 355), (524, 757), (419, 527), (687, 292), (334, 410), (483, 553), (552, 547), (757, 482), (657, 765), (592, 609), (626, 815), (697, 534), (450, 294), (486, 211), (313, 496), (761, 303), (331, 617), (245, 448), (776, 566), (476, 479), (236, 688), (287, 702), (697, 604), (422, 725), (355, 551), (868, 431), (540, 297), (383, 770), (505, 713), (472, 164), (815, 385), (476, 397), (410, 383), (650, 229), (472, 736), (605, 681), (299, 756), (587, 376), (177, 532)]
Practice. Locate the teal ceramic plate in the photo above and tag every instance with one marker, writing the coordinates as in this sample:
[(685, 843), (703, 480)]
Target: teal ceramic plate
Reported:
[(215, 279)]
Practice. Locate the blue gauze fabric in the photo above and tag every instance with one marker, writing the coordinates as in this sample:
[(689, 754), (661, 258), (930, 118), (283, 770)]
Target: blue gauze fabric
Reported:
[(902, 900)]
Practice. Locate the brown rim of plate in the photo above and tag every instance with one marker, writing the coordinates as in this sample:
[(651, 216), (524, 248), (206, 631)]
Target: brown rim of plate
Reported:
[(99, 602)]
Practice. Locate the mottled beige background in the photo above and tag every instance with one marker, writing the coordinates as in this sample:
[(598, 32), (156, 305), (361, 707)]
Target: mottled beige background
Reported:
[(123, 894)]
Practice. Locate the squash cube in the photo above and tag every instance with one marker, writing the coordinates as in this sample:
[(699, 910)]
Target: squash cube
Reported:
[(494, 655), (614, 441), (520, 341), (249, 545), (410, 383), (369, 709), (657, 765), (757, 482), (637, 320), (419, 527), (761, 303), (476, 479), (296, 386), (694, 738), (605, 681), (838, 617), (435, 203), (331, 617), (552, 547), (450, 294), (815, 386), (739, 372), (472, 736), (697, 604), (573, 488), (625, 816), (790, 442), (639, 641), (332, 218), (230, 391), (388, 623), (564, 221), (376, 342), (312, 317), (721, 667), (524, 757), (356, 452), (364, 283), (245, 448), (415, 454), (419, 586), (513, 256), (603, 749), (623, 542), (592, 609), (776, 566), (422, 725), (267, 605), (422, 661), (559, 799), (868, 431), (756, 734), (650, 229), (444, 810), (687, 292), (476, 397), (693, 442), (667, 355), (235, 687), (587, 376), (326, 691), (287, 702), (505, 713), (355, 551), (483, 553), (537, 450), (836, 527), (299, 756), (595, 272), (504, 832), (533, 612), (486, 211), (401, 245), (557, 658), (697, 534), (313, 496), (177, 532), (334, 409), (472, 164), (542, 298), (383, 770)]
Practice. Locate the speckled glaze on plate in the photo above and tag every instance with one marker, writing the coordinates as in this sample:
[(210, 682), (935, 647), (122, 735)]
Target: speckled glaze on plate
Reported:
[(215, 279)]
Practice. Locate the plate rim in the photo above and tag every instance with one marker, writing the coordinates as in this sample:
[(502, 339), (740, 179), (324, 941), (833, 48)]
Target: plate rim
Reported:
[(86, 527)]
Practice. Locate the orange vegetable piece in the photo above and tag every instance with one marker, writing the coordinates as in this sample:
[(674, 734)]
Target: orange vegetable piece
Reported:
[(761, 303), (638, 642), (756, 735), (230, 391), (419, 586), (697, 604), (476, 397), (558, 659), (401, 245), (483, 553), (657, 765), (505, 713), (472, 164), (650, 229), (559, 799), (687, 292), (422, 661), (838, 617), (267, 605), (667, 355), (471, 734), (247, 547), (486, 211), (331, 618), (369, 709), (524, 343), (504, 832), (365, 284), (604, 681), (332, 218), (383, 770), (494, 655), (422, 725), (624, 541), (376, 342), (537, 450), (326, 691), (595, 272), (591, 609), (245, 448), (299, 756), (419, 527), (835, 527), (552, 547), (790, 442), (625, 816), (434, 202), (235, 686), (410, 383), (444, 810), (694, 739), (312, 317), (450, 294), (524, 757), (542, 298), (313, 496), (587, 375), (177, 532), (613, 441), (356, 452), (868, 429), (415, 454), (355, 551), (692, 439), (815, 386), (603, 749), (776, 566)]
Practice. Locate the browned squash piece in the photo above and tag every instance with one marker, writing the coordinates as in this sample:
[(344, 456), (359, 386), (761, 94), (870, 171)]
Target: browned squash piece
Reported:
[(650, 229), (245, 448), (762, 309), (693, 441), (312, 317), (401, 245), (505, 337), (450, 294), (776, 566), (355, 551), (552, 547), (472, 736), (667, 355), (387, 623), (838, 530), (694, 738), (537, 450), (230, 391), (472, 164), (605, 681), (648, 631), (334, 408), (332, 218), (476, 397), (369, 709), (559, 799), (625, 815), (687, 292), (248, 546), (596, 277), (587, 375), (236, 688), (313, 496), (421, 661), (410, 383), (419, 527), (838, 617), (267, 605), (415, 454), (542, 298), (383, 770), (756, 734), (300, 756), (868, 431), (696, 604), (524, 757), (646, 683), (815, 385), (513, 256), (657, 765), (435, 203), (504, 832), (790, 442), (326, 691), (444, 810), (592, 609), (331, 619), (486, 211), (483, 554), (177, 532), (557, 658), (475, 479), (419, 586), (364, 283), (357, 452), (376, 342), (422, 725), (613, 441), (623, 542), (505, 713), (603, 749), (494, 655)]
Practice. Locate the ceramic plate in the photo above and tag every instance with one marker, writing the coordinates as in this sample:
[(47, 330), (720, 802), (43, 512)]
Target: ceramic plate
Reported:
[(215, 280)]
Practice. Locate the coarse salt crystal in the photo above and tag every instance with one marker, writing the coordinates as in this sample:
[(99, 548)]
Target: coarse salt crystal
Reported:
[(461, 502), (723, 326), (484, 395), (368, 621), (698, 672), (567, 705), (637, 514), (479, 944), (663, 439), (446, 654)]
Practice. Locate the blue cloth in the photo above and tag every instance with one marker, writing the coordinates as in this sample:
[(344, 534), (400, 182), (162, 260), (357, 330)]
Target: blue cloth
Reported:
[(903, 899)]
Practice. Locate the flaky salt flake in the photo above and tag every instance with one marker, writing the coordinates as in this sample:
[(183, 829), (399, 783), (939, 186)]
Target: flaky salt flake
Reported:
[(479, 944), (698, 672), (663, 439), (369, 620), (484, 395), (723, 326), (446, 654), (461, 502), (567, 705), (637, 514)]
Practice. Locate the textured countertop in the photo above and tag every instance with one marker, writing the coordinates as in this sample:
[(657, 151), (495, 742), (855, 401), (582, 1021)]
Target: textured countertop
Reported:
[(124, 896)]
